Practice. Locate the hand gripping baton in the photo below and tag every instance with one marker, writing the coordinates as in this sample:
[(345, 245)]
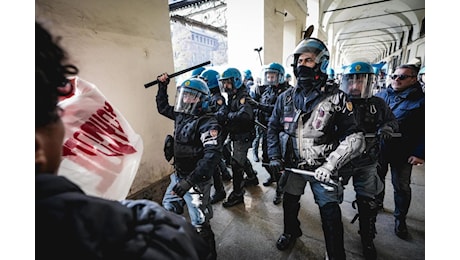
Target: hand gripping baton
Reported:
[(310, 173), (178, 73)]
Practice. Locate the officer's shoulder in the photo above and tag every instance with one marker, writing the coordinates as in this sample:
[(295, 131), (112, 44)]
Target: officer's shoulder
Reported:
[(331, 87)]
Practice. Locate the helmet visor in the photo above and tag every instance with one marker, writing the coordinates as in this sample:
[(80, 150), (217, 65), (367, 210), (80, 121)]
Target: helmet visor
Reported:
[(357, 85), (188, 101), (270, 77)]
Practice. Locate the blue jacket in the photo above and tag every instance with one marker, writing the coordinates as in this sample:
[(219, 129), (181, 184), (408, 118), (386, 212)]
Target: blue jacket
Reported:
[(408, 106)]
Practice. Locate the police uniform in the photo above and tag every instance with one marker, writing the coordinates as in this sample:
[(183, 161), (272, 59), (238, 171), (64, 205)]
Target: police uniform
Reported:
[(240, 125), (328, 110), (267, 103), (197, 149)]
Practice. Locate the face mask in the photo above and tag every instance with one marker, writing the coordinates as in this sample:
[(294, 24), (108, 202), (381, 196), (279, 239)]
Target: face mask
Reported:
[(305, 76), (304, 72)]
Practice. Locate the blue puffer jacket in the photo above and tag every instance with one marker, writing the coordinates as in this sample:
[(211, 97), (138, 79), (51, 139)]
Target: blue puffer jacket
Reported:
[(408, 106)]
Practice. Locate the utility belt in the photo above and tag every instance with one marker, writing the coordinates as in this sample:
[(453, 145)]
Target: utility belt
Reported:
[(307, 167), (248, 136)]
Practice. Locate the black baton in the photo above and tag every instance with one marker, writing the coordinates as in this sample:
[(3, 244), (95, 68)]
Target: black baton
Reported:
[(178, 73)]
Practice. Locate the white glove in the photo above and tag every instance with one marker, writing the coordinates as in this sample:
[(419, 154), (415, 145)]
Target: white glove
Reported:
[(323, 174)]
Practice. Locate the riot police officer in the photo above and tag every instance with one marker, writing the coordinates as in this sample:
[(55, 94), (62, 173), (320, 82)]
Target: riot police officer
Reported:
[(376, 118), (197, 149), (312, 128), (272, 76), (217, 103), (240, 125)]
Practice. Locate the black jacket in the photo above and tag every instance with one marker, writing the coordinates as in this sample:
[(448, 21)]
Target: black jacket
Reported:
[(197, 142), (72, 225)]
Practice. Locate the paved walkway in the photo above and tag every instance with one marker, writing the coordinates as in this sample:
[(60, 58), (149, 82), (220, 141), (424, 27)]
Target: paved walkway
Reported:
[(250, 230)]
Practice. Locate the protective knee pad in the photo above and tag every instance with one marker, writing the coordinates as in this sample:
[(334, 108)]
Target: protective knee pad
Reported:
[(367, 210), (367, 206)]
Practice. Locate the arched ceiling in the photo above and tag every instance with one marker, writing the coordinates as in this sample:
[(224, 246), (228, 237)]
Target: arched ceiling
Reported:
[(365, 30)]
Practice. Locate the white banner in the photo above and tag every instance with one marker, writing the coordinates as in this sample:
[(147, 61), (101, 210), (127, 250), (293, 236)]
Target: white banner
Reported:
[(101, 151)]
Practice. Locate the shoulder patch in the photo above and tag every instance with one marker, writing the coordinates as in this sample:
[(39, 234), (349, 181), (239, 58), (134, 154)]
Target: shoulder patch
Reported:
[(349, 106), (242, 101)]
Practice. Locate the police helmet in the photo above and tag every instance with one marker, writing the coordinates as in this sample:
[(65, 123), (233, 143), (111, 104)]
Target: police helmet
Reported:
[(420, 73), (234, 75), (358, 79), (330, 72), (272, 74), (196, 72), (192, 97), (210, 77), (376, 70), (247, 74), (316, 46)]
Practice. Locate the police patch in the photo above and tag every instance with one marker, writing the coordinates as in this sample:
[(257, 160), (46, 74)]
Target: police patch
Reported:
[(349, 106), (242, 101)]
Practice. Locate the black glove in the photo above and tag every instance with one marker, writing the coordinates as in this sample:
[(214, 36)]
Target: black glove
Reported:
[(385, 132), (232, 115), (182, 187), (253, 103), (276, 165), (163, 84), (221, 116)]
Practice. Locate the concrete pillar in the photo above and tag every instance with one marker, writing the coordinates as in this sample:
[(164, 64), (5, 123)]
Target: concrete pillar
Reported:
[(119, 46)]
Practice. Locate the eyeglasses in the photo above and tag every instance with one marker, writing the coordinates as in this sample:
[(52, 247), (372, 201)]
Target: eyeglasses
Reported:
[(401, 77)]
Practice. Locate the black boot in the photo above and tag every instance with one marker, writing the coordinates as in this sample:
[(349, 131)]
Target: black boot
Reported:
[(367, 212), (270, 179), (206, 232), (401, 228), (278, 198), (291, 207), (268, 182), (218, 196), (251, 182), (234, 199), (331, 219)]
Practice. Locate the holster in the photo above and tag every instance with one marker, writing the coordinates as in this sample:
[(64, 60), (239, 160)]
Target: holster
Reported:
[(168, 148)]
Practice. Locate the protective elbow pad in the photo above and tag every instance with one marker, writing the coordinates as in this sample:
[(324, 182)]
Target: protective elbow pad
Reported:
[(351, 147)]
